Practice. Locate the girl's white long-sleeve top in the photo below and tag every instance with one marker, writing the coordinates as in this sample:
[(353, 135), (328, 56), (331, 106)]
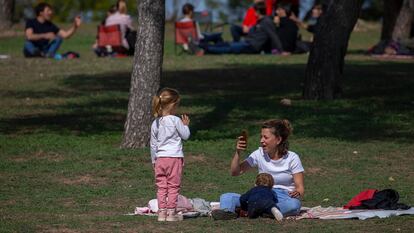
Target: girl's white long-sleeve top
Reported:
[(167, 133)]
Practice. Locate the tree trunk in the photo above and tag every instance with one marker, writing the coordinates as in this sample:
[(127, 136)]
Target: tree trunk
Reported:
[(146, 73), (326, 60), (391, 11), (402, 26), (6, 14)]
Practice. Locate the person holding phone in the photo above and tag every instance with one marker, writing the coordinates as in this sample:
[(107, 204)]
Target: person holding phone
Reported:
[(43, 38), (272, 157)]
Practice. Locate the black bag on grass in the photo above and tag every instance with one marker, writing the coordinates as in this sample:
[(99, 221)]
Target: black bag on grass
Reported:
[(386, 199)]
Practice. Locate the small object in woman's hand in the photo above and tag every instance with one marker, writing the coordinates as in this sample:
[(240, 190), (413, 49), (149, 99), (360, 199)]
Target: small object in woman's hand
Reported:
[(244, 136)]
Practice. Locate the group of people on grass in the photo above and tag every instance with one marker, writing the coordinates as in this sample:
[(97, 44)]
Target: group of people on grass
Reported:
[(279, 185), (265, 28), (44, 38)]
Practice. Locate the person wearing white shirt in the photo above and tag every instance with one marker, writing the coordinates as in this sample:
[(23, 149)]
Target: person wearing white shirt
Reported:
[(274, 158), (167, 132)]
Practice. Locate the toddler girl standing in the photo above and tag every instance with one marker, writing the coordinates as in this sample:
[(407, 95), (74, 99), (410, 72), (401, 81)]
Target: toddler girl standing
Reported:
[(167, 132)]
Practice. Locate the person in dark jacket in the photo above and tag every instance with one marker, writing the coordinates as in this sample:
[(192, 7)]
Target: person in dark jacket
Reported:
[(261, 199), (263, 32), (286, 28)]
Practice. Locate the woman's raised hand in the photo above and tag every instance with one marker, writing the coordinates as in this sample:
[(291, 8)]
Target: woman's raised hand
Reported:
[(241, 144)]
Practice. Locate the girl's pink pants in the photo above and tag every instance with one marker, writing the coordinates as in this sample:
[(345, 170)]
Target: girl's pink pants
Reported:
[(168, 171)]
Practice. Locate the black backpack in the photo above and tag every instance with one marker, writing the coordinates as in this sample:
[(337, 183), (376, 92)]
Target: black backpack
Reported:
[(386, 199)]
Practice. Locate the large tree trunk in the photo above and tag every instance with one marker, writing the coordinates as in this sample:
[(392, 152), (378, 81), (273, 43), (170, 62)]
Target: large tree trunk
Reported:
[(326, 60), (402, 26), (391, 11), (146, 74), (6, 14)]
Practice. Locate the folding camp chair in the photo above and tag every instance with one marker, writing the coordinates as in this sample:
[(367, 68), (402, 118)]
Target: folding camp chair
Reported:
[(206, 18), (184, 32), (110, 36)]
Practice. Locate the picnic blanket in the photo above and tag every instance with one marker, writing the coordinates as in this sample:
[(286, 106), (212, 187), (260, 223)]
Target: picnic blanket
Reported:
[(319, 212), (195, 207), (189, 207)]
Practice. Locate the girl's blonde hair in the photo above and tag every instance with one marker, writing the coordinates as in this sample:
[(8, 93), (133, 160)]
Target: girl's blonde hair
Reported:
[(122, 6), (282, 129), (166, 97)]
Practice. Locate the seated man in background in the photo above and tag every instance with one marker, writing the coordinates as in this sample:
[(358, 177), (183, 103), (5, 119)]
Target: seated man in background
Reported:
[(286, 28), (43, 38)]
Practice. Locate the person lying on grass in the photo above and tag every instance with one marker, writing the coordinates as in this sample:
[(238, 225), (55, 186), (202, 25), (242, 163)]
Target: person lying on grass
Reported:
[(272, 157)]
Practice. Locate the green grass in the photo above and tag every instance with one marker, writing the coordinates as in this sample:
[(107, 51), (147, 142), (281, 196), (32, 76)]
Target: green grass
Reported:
[(61, 124)]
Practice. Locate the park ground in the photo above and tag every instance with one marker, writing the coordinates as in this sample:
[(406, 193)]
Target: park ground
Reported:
[(61, 124)]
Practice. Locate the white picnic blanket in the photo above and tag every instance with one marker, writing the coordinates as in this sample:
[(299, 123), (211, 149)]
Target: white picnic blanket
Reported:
[(190, 208), (319, 212)]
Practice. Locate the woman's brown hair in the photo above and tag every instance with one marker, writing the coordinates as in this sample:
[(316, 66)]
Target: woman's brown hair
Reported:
[(282, 129)]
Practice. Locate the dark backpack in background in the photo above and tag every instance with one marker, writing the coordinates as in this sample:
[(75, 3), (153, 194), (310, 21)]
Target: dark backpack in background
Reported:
[(386, 199)]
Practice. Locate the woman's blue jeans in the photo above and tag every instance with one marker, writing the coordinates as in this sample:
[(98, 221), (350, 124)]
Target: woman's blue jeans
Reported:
[(286, 204)]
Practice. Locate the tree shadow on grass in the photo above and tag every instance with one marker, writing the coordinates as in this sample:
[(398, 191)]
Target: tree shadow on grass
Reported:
[(357, 52), (223, 101)]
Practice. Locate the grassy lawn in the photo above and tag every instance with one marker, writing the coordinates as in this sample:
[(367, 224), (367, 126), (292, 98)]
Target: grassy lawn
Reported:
[(61, 123)]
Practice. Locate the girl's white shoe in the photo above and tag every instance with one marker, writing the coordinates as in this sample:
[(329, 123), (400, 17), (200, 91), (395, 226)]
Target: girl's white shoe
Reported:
[(173, 216), (162, 215)]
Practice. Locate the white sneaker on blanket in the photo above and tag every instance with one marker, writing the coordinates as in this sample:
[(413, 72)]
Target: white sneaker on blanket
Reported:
[(277, 214)]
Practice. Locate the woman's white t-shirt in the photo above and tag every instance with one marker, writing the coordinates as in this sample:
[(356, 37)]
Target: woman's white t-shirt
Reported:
[(282, 169)]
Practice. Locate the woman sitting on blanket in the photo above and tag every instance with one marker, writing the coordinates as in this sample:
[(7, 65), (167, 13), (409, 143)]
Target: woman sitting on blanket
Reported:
[(274, 158)]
